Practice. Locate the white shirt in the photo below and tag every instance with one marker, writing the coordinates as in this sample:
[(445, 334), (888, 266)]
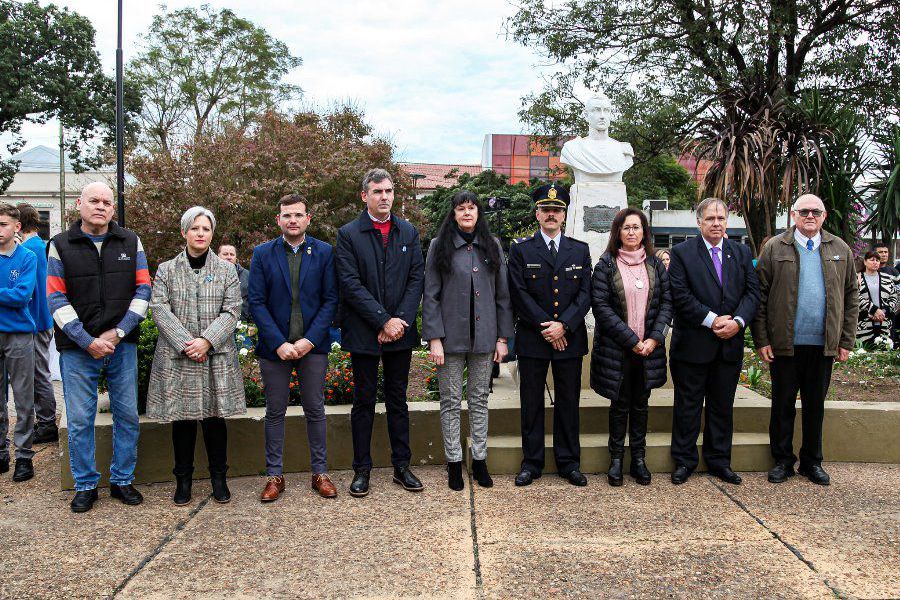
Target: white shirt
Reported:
[(711, 316), (802, 239), (548, 239)]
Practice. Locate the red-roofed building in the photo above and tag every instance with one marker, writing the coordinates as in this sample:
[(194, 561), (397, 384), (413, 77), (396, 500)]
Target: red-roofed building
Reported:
[(434, 175)]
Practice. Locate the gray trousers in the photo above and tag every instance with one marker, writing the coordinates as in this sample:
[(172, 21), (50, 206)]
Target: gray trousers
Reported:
[(450, 381), (17, 360), (44, 398), (276, 376)]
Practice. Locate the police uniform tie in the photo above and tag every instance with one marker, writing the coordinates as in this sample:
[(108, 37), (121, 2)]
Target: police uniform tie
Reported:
[(553, 250)]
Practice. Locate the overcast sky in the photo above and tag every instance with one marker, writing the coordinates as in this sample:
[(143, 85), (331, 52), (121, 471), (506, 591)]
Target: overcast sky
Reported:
[(433, 76)]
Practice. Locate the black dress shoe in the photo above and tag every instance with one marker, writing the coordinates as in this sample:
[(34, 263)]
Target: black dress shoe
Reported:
[(726, 475), (614, 474), (525, 477), (83, 500), (359, 487), (575, 477), (680, 474), (780, 473), (44, 433), (814, 473), (4, 465), (403, 476), (24, 470), (639, 470), (128, 494)]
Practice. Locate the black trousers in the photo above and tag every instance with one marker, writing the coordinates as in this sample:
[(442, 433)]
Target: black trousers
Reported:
[(215, 438), (362, 415), (808, 371), (715, 382), (628, 412), (566, 393)]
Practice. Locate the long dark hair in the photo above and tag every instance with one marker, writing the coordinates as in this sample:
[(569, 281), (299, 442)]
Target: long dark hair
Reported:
[(446, 235), (615, 232)]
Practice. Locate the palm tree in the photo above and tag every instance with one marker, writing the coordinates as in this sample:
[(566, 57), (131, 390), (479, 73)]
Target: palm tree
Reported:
[(885, 201)]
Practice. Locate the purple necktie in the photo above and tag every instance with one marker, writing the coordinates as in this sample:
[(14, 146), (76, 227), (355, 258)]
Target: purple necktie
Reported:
[(717, 263)]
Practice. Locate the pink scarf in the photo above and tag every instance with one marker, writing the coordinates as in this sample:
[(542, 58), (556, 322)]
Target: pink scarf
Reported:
[(633, 270)]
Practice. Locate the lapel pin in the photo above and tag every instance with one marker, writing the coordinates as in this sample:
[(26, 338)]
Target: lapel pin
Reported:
[(309, 250), (404, 248)]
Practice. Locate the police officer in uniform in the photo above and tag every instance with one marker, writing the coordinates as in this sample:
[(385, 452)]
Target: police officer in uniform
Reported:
[(550, 288)]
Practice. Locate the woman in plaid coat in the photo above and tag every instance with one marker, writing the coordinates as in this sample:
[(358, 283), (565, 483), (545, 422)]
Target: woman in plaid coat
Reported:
[(196, 375)]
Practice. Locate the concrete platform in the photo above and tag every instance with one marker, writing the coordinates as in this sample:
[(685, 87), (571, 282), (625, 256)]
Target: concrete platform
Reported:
[(854, 432)]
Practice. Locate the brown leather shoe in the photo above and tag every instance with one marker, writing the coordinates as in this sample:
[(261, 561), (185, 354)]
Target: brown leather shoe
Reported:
[(274, 488), (322, 484)]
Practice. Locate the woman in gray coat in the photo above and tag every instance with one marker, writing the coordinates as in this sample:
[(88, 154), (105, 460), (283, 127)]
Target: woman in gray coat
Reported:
[(467, 319), (196, 375)]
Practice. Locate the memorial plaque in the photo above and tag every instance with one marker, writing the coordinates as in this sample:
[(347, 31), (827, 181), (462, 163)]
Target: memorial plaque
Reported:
[(599, 218)]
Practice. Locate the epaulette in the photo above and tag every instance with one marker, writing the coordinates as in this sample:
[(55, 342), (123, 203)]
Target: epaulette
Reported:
[(521, 239), (577, 240)]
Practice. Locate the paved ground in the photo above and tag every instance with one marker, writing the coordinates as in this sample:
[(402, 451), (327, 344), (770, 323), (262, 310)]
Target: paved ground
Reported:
[(550, 540)]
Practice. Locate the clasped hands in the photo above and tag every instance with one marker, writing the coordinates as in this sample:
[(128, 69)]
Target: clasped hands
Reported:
[(555, 334), (725, 327), (104, 344), (646, 347), (392, 331), (295, 351)]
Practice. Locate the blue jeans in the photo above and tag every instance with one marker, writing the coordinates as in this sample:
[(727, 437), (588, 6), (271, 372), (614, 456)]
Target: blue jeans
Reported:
[(80, 375)]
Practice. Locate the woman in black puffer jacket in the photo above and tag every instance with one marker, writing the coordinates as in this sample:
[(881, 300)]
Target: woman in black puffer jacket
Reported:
[(632, 305)]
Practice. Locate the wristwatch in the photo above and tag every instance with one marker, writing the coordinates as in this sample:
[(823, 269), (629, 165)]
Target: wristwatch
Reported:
[(120, 333)]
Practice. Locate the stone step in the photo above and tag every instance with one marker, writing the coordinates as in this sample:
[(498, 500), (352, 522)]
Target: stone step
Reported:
[(750, 452)]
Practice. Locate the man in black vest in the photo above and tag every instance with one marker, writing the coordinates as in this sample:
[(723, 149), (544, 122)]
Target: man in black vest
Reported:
[(381, 275), (98, 288), (550, 288)]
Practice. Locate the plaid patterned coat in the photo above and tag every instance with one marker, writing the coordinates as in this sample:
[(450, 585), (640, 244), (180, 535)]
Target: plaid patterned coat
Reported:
[(187, 305)]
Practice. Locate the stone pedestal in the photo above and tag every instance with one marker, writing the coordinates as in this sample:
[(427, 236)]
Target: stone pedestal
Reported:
[(592, 207)]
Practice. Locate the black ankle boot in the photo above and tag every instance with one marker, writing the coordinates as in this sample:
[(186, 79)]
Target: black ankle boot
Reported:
[(220, 492), (454, 476), (480, 473), (182, 489), (639, 470), (614, 475)]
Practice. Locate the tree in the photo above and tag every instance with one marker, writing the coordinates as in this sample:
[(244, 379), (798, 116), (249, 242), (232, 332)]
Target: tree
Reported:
[(660, 177), (239, 173), (517, 216), (200, 68), (884, 218), (51, 70)]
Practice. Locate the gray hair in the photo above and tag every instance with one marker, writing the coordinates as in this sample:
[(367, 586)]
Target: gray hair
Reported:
[(807, 197), (375, 176), (706, 203), (191, 214)]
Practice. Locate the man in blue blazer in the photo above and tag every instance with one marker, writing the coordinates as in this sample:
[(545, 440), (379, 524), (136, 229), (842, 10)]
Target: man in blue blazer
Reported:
[(716, 293), (382, 277), (293, 298)]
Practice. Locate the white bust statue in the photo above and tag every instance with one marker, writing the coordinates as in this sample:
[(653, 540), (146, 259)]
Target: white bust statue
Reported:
[(597, 157)]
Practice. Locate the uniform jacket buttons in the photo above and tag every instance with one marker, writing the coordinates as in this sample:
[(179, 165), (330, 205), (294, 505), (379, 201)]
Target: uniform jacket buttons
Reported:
[(474, 269), (477, 293), (556, 304), (555, 278)]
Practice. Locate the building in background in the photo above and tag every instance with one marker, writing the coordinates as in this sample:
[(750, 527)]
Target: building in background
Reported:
[(428, 176), (37, 183), (521, 157)]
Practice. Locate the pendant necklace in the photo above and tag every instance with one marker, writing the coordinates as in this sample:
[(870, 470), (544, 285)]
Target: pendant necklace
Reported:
[(638, 283)]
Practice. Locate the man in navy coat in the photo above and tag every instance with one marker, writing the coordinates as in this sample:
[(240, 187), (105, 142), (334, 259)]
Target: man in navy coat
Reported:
[(716, 293), (382, 277), (550, 289), (293, 298)]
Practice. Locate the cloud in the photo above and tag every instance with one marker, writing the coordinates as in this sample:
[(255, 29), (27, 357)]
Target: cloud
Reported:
[(434, 77)]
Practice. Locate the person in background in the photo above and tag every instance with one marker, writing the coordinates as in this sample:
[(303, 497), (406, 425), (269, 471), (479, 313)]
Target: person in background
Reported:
[(293, 299), (664, 257), (806, 320), (196, 375), (715, 293), (98, 288), (884, 265), (381, 274), (229, 253), (878, 301), (632, 308), (466, 262), (45, 429), (18, 272)]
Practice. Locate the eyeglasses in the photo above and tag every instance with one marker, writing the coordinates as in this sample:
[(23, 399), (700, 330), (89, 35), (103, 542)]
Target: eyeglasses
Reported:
[(632, 228), (805, 212)]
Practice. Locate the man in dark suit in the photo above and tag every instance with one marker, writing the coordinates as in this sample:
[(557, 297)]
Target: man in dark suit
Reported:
[(293, 298), (382, 277), (550, 288), (716, 293)]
